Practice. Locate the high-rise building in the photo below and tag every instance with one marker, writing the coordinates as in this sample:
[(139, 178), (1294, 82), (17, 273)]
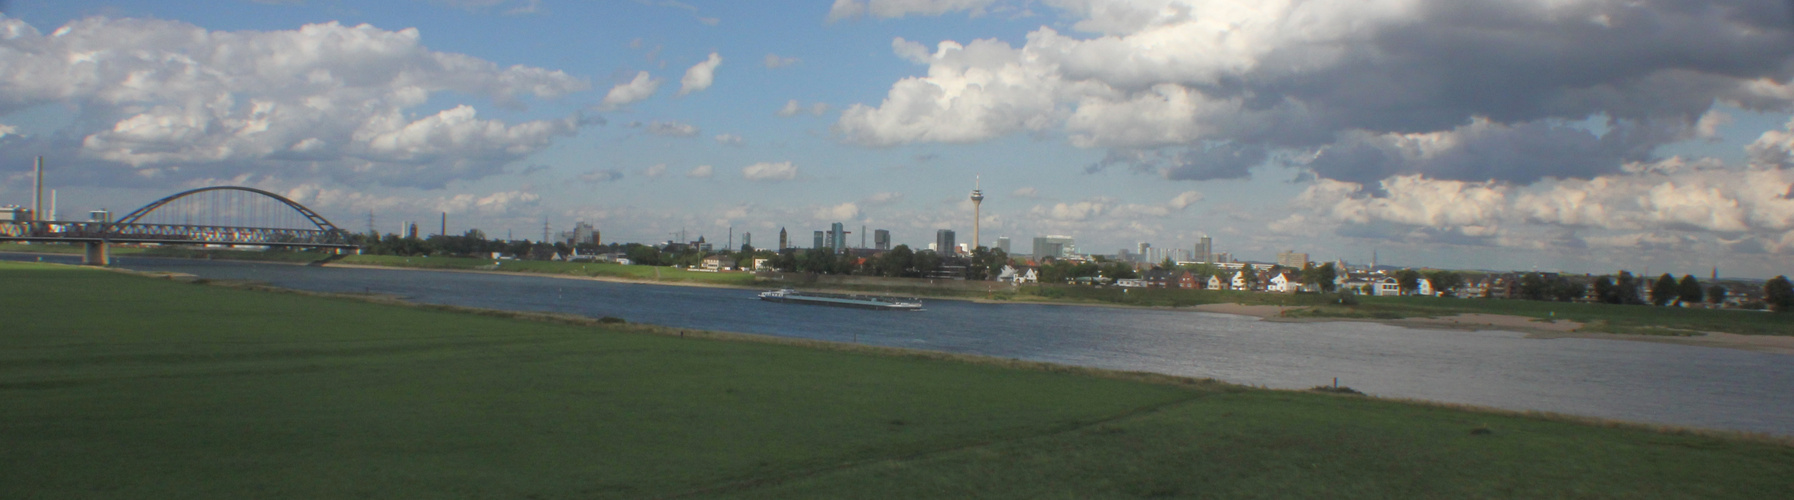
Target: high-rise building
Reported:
[(1055, 246), (837, 239), (1205, 250), (819, 241), (747, 240), (943, 241), (1292, 259), (784, 241), (582, 234), (1003, 243), (881, 240)]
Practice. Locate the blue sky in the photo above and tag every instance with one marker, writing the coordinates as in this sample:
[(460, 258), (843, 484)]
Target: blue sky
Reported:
[(1583, 135)]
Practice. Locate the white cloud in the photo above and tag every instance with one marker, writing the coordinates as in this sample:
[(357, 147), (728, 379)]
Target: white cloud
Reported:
[(672, 129), (701, 172), (1026, 192), (6, 130), (1670, 199), (853, 9), (656, 170), (635, 90), (768, 171), (1359, 80), (842, 212), (775, 61), (1185, 199), (730, 140), (321, 100), (793, 107), (700, 76)]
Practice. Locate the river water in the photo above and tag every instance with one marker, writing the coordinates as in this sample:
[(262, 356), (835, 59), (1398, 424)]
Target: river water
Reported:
[(1636, 381)]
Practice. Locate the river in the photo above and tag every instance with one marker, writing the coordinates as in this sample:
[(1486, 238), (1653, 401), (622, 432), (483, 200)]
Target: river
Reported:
[(1649, 382)]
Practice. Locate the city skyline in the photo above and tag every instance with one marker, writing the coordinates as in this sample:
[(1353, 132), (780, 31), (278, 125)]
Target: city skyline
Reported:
[(1338, 132)]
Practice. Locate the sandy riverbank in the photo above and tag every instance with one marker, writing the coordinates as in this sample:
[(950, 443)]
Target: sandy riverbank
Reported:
[(1532, 327)]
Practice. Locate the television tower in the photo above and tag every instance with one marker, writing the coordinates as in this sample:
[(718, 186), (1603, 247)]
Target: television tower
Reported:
[(977, 200)]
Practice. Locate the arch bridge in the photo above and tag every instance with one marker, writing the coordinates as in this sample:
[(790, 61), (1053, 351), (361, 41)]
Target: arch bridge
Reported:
[(230, 216)]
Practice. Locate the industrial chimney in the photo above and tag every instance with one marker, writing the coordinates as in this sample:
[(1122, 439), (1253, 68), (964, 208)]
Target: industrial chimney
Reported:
[(37, 200)]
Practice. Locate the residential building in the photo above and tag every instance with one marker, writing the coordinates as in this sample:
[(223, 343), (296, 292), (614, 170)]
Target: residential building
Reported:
[(881, 240), (943, 241), (1386, 286), (1282, 282), (1215, 283)]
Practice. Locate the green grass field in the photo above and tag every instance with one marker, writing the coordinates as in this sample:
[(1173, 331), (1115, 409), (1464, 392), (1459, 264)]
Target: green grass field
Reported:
[(117, 386)]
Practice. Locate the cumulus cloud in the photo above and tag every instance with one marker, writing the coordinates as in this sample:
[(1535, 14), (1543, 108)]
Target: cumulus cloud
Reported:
[(671, 129), (1185, 199), (701, 172), (655, 170), (635, 90), (1025, 192), (844, 211), (768, 171), (1672, 197), (792, 108), (321, 100), (700, 76), (730, 140), (1448, 90), (854, 9), (775, 61)]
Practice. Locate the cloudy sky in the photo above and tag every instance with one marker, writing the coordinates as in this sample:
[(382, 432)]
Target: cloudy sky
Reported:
[(1578, 135)]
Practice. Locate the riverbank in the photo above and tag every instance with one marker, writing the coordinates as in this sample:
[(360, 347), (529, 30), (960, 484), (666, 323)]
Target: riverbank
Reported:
[(208, 391), (1711, 328)]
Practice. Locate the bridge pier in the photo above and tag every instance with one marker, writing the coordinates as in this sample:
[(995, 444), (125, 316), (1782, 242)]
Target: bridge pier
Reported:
[(97, 254)]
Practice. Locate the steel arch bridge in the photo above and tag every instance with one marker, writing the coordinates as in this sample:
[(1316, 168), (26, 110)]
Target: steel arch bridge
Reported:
[(217, 215)]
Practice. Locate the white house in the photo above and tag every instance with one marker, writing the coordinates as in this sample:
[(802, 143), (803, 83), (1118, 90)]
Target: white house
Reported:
[(761, 264), (1239, 280), (1386, 286), (1215, 283), (1424, 287), (1282, 283)]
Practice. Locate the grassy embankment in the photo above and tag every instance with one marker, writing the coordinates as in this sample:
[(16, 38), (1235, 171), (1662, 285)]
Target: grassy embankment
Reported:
[(192, 391)]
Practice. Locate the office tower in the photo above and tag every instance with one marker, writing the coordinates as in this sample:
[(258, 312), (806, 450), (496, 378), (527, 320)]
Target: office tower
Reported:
[(1003, 243), (837, 237), (943, 241), (1205, 250), (1055, 246), (819, 240), (881, 240)]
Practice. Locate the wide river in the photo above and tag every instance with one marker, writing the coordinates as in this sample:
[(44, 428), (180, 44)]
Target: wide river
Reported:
[(1637, 381)]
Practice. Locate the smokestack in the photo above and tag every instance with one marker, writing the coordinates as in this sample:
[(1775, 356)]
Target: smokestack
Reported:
[(37, 200), (52, 205)]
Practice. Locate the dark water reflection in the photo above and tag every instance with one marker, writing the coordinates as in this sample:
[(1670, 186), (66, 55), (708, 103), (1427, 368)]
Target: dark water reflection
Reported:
[(1648, 382)]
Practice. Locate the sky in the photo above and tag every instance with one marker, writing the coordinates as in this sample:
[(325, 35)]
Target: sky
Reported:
[(1562, 135)]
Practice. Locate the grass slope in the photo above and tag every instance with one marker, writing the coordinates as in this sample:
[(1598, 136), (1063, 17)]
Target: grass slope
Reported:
[(126, 387)]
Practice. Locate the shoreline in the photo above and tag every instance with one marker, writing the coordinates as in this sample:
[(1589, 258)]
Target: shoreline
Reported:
[(1532, 328)]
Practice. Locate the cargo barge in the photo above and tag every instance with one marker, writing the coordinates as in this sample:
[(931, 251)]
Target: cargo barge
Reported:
[(843, 300)]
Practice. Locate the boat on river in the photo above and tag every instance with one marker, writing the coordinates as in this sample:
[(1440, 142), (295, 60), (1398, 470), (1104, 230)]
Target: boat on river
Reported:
[(843, 300)]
